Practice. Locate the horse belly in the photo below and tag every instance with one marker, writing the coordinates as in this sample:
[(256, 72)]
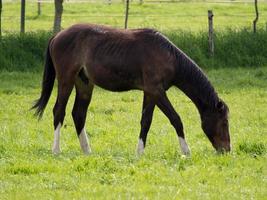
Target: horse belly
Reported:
[(115, 80)]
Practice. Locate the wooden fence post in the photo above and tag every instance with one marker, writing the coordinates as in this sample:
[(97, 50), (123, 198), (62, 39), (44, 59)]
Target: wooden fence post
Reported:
[(257, 16), (211, 38), (22, 17), (39, 7), (0, 18), (126, 14), (58, 15)]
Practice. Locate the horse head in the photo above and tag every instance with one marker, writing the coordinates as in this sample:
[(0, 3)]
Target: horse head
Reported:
[(216, 127)]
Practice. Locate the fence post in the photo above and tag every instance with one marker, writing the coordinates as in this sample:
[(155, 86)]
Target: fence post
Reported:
[(257, 16), (211, 38), (58, 15), (39, 7), (0, 18), (126, 14), (22, 17)]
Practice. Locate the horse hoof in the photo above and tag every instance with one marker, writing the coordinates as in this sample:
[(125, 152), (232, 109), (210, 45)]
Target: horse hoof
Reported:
[(185, 154), (140, 147), (56, 151), (87, 152), (139, 152)]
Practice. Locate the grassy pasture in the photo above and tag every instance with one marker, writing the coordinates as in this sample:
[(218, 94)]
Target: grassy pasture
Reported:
[(163, 16), (29, 171)]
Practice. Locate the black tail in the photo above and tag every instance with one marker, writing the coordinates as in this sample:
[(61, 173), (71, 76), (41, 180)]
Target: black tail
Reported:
[(47, 85)]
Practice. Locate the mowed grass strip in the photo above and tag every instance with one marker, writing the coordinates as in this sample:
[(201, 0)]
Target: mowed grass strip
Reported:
[(29, 170), (188, 16)]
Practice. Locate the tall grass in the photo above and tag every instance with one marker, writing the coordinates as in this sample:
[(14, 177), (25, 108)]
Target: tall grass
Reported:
[(240, 48), (23, 52)]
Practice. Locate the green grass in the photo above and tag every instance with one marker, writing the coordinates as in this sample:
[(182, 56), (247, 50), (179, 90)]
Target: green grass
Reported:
[(188, 16), (28, 170)]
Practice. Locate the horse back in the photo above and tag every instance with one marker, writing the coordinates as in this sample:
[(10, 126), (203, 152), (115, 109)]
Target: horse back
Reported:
[(114, 59)]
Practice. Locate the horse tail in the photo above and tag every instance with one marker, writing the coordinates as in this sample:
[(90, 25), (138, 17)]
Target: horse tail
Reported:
[(47, 84)]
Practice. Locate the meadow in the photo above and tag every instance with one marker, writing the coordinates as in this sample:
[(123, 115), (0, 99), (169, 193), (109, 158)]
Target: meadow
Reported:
[(238, 71), (113, 170)]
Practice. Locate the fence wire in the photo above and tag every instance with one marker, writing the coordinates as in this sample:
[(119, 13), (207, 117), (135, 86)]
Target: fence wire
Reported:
[(141, 1), (149, 18)]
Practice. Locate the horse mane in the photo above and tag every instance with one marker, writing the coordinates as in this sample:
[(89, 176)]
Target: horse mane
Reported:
[(192, 80)]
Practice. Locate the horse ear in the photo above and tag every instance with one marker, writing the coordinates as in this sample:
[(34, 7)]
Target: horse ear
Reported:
[(220, 106)]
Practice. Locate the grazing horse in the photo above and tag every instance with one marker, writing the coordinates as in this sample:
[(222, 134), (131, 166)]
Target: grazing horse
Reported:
[(118, 60)]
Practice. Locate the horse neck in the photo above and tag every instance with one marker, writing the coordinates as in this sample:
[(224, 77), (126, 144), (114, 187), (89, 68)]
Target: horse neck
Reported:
[(194, 83)]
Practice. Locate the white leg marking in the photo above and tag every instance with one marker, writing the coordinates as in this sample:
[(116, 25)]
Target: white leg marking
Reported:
[(56, 148), (140, 147), (84, 142), (184, 147)]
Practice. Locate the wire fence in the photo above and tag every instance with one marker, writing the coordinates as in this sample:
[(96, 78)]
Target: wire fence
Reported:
[(142, 1), (153, 15)]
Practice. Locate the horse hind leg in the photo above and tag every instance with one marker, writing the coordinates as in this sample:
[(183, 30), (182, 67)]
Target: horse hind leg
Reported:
[(84, 91), (64, 91)]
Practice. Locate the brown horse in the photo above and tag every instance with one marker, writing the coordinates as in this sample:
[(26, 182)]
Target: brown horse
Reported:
[(85, 55)]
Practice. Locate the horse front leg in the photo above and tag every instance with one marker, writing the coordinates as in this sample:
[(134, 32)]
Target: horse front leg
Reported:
[(166, 107), (147, 114)]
